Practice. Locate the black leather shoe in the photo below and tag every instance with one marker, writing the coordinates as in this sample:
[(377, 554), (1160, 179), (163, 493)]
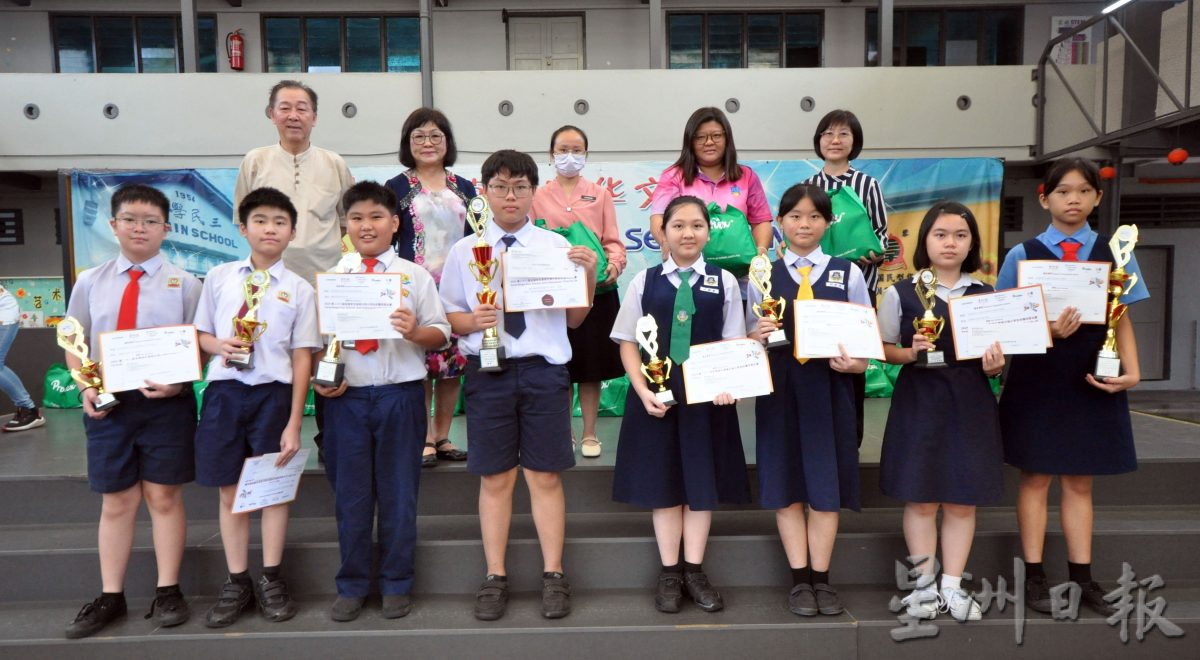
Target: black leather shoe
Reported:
[(1037, 595), (448, 452), (802, 600), (1093, 597), (169, 608), (236, 597), (429, 460), (492, 598), (94, 616), (396, 606), (556, 596), (701, 592), (828, 602), (668, 597), (346, 608), (273, 599)]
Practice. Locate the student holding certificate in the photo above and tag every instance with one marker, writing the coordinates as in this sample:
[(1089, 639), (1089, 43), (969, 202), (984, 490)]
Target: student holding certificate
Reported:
[(942, 442), (683, 460), (1056, 417), (807, 439)]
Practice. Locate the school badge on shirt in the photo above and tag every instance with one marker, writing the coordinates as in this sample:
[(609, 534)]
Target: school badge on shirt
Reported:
[(174, 282), (836, 280), (284, 297), (709, 285)]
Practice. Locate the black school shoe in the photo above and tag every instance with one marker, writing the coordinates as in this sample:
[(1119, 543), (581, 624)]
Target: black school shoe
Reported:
[(828, 602), (802, 600), (236, 597), (668, 596), (1037, 595), (492, 598), (94, 616), (702, 592), (1093, 597), (556, 596), (273, 599), (169, 608)]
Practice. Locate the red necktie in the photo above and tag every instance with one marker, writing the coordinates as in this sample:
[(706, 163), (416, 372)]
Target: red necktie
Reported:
[(365, 346), (1070, 250), (127, 316)]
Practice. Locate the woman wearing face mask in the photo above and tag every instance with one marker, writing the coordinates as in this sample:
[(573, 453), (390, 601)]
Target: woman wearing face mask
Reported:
[(562, 201)]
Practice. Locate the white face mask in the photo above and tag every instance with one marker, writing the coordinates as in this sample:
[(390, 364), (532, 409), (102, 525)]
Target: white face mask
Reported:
[(569, 164)]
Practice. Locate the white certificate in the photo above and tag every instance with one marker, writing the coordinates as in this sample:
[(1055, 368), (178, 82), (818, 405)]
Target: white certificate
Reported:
[(736, 366), (1079, 284), (823, 324), (358, 305), (165, 355), (543, 278), (262, 484), (1016, 318)]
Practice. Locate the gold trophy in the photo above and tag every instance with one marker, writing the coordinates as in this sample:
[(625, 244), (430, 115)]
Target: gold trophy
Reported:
[(656, 371), (491, 353), (330, 368), (1108, 361), (247, 327), (929, 325), (760, 277), (70, 338)]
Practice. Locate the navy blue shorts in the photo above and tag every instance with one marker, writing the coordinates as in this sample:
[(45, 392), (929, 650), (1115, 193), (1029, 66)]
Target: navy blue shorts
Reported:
[(142, 440), (238, 421), (519, 416)]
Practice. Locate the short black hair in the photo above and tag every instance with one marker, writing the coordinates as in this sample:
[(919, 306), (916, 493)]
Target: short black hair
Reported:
[(687, 161), (292, 84), (564, 129), (417, 119), (974, 260), (265, 196), (140, 192), (839, 118), (793, 196), (1060, 168), (369, 191), (684, 200), (516, 163)]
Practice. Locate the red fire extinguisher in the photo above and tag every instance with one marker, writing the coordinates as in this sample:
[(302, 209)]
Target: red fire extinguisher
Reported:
[(233, 50)]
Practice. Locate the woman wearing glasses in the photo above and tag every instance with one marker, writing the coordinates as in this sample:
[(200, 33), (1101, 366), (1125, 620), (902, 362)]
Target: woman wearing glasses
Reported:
[(707, 168), (562, 201), (432, 205)]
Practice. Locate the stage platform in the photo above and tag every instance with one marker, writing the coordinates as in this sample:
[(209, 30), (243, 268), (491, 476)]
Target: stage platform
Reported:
[(49, 567)]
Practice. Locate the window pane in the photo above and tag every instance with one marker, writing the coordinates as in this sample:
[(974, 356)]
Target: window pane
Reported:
[(923, 37), (363, 45), (114, 35), (403, 44), (323, 44), (156, 42), (803, 41), (962, 38), (762, 41), (1002, 36), (873, 37), (206, 45), (73, 38), (687, 41), (724, 41), (283, 44)]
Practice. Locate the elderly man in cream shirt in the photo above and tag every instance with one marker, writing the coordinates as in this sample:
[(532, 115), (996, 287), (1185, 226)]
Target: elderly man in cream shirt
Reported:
[(313, 178)]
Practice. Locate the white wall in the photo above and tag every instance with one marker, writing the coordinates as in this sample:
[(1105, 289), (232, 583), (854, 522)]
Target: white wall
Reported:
[(40, 255), (25, 43)]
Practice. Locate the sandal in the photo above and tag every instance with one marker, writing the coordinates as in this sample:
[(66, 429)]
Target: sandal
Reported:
[(451, 454), (589, 447), (429, 460)]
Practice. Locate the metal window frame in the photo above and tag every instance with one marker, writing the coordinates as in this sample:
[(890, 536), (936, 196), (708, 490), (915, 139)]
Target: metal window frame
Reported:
[(782, 14), (900, 29), (342, 41), (136, 17)]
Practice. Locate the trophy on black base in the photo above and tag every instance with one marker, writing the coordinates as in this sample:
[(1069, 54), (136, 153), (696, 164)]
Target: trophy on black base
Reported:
[(70, 338), (1108, 360), (246, 325), (929, 324)]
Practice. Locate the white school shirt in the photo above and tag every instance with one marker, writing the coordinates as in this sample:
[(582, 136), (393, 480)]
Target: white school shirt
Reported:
[(889, 305), (288, 307), (856, 288), (9, 311), (545, 329), (625, 327), (396, 360), (167, 295)]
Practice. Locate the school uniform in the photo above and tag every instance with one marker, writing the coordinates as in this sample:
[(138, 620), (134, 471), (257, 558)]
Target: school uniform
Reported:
[(142, 439), (807, 447), (374, 436), (1052, 420), (942, 441), (245, 412), (522, 414), (693, 455)]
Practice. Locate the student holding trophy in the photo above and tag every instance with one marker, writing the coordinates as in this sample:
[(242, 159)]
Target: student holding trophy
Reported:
[(1057, 417)]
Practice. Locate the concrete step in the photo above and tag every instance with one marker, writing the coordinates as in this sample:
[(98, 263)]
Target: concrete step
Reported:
[(605, 623), (606, 550)]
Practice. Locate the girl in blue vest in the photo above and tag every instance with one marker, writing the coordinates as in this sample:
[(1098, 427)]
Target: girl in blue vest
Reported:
[(807, 435), (942, 442), (685, 459), (1056, 418)]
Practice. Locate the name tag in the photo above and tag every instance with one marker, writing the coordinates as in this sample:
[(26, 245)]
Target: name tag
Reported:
[(587, 198), (709, 290), (836, 285)]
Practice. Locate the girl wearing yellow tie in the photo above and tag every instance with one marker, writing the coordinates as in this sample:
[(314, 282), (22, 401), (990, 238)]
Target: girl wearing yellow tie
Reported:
[(807, 438)]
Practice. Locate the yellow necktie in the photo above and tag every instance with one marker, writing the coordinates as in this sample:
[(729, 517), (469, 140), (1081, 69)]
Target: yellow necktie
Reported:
[(805, 292)]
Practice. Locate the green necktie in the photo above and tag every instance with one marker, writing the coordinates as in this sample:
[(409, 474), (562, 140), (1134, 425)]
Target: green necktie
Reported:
[(681, 329)]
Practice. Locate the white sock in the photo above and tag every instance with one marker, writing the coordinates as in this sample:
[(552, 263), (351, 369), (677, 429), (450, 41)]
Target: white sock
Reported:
[(951, 582)]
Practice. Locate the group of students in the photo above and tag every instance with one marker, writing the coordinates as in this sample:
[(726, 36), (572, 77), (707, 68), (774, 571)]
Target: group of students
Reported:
[(945, 443)]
